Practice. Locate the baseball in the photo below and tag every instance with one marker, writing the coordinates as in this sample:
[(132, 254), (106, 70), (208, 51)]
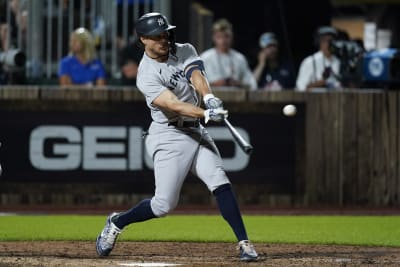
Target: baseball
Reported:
[(289, 110)]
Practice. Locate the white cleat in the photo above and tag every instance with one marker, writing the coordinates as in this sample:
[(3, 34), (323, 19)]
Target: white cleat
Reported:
[(247, 251), (106, 239)]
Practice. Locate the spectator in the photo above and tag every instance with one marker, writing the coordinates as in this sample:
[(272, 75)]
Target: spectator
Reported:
[(15, 27), (19, 16), (271, 73), (225, 66), (130, 57), (321, 69), (81, 67), (12, 42)]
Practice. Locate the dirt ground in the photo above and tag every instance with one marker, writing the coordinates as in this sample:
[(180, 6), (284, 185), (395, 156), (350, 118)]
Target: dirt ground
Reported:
[(59, 253), (73, 253)]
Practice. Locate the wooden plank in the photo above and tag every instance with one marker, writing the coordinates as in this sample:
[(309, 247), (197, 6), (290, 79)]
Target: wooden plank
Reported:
[(385, 149), (348, 151), (300, 157), (377, 186), (397, 114), (364, 146), (393, 159), (314, 159), (231, 95), (115, 95), (52, 93), (19, 92), (130, 94), (330, 146), (285, 96), (100, 94)]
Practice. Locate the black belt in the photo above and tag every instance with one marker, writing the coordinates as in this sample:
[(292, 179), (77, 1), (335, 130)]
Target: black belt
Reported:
[(185, 123)]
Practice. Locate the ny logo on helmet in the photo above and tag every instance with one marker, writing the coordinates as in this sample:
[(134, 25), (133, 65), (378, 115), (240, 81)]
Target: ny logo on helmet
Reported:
[(160, 22)]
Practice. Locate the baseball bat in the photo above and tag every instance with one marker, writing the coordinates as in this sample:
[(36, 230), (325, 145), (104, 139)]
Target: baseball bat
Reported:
[(244, 145)]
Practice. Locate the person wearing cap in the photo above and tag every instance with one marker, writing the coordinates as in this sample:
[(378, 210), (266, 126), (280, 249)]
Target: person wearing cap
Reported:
[(271, 73), (321, 69), (171, 78), (224, 65)]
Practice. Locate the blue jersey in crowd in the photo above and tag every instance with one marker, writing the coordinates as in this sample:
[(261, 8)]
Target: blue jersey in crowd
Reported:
[(81, 73)]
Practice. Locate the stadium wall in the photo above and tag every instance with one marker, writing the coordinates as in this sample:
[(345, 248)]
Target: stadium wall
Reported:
[(79, 146)]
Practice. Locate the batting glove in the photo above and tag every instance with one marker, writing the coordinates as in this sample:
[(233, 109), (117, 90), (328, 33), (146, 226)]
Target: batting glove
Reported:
[(217, 114), (212, 102)]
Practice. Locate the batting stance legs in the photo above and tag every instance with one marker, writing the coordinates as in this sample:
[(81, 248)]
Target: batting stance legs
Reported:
[(172, 78), (176, 151)]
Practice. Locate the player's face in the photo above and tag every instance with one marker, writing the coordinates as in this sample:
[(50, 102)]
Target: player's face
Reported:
[(156, 46)]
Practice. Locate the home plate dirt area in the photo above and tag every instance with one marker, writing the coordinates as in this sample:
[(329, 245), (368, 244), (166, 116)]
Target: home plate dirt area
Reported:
[(73, 253)]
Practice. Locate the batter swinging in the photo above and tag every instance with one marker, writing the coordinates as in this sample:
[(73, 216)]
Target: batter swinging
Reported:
[(169, 76)]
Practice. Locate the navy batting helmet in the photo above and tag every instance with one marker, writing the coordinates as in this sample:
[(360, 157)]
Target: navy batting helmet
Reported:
[(151, 24)]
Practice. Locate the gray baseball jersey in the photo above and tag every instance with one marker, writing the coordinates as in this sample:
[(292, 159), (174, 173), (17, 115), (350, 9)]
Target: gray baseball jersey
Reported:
[(176, 151), (155, 77)]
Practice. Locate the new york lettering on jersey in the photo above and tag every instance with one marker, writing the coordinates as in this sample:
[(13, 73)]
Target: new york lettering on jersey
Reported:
[(175, 78)]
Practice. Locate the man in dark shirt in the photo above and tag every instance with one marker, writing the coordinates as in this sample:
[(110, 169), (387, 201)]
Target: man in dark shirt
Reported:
[(130, 57)]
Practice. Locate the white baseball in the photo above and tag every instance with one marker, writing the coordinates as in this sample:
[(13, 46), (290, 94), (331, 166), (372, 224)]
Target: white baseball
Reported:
[(289, 110)]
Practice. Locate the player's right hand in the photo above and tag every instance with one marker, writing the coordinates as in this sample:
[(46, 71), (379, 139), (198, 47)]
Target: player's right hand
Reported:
[(212, 102), (215, 114)]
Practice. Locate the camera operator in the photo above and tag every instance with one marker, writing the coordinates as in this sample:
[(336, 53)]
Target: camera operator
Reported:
[(321, 69)]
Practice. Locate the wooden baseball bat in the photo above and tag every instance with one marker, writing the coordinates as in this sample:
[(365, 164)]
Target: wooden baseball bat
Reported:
[(244, 145)]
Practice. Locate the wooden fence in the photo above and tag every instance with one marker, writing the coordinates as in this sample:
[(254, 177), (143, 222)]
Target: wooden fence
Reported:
[(348, 156), (352, 146)]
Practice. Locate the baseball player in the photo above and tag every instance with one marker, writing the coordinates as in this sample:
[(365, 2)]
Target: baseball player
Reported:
[(170, 76)]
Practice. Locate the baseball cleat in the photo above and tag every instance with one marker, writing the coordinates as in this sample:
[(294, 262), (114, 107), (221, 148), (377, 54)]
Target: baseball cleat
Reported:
[(106, 240), (247, 251)]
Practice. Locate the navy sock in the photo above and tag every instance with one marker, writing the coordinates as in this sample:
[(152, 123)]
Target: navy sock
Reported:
[(141, 212), (229, 209)]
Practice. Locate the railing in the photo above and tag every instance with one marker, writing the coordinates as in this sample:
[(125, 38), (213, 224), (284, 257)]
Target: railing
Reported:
[(42, 28)]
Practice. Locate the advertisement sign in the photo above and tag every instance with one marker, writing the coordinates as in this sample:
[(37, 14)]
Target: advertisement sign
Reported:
[(87, 146)]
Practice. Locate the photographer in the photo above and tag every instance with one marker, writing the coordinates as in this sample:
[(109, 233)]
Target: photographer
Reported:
[(322, 68)]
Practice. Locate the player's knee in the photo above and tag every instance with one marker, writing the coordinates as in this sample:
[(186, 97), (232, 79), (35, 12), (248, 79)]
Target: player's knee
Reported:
[(161, 207), (222, 188)]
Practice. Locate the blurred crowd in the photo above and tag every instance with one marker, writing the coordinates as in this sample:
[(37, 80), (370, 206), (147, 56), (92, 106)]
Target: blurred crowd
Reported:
[(225, 66), (229, 69)]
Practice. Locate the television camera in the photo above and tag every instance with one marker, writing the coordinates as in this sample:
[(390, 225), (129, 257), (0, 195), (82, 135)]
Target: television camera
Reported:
[(358, 68), (12, 66), (13, 58)]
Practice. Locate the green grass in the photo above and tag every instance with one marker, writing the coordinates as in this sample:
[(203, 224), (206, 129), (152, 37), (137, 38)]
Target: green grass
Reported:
[(347, 230)]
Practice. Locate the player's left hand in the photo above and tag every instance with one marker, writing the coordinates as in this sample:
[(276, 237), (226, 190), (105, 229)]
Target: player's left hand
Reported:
[(217, 114), (212, 102)]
